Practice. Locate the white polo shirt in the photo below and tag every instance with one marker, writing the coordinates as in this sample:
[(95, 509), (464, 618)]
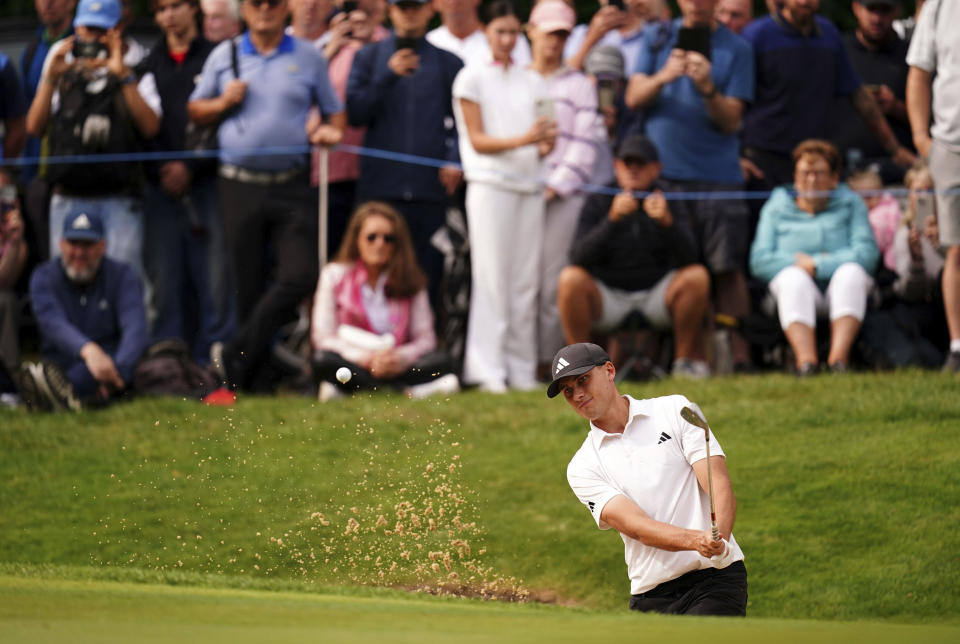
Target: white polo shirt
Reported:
[(936, 48), (650, 464)]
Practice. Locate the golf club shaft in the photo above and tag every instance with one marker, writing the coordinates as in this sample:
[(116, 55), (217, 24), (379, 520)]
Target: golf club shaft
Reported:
[(713, 510)]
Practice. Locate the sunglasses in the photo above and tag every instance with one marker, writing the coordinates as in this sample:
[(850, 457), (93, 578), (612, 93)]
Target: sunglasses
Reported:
[(387, 239), (272, 3)]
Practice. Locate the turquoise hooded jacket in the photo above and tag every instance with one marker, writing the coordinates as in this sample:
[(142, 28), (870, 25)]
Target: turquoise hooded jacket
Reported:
[(835, 236)]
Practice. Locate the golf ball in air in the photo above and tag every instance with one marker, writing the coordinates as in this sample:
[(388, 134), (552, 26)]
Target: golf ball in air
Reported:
[(343, 374)]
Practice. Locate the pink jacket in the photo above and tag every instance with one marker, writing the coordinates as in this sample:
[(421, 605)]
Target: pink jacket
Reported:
[(335, 304)]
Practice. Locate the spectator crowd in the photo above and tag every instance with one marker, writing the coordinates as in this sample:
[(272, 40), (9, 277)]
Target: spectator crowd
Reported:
[(739, 192)]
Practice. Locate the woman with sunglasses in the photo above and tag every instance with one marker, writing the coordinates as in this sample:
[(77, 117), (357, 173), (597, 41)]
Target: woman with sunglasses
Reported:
[(371, 313)]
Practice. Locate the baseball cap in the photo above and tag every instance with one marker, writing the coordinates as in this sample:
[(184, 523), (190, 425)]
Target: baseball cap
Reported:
[(104, 14), (553, 15), (81, 225), (639, 147), (606, 60), (573, 360)]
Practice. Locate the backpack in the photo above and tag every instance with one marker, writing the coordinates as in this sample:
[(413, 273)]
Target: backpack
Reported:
[(93, 123), (167, 370)]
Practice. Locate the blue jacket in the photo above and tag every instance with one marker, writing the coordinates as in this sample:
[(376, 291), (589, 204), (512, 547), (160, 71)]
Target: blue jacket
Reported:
[(108, 311), (840, 234), (410, 115)]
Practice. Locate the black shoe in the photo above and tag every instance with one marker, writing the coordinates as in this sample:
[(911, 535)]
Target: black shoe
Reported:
[(952, 365), (839, 367), (60, 388), (808, 369), (33, 390)]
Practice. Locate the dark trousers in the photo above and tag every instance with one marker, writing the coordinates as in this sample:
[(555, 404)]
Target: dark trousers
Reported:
[(710, 591), (429, 367), (264, 223)]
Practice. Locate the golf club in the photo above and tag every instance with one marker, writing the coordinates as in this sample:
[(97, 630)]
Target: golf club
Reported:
[(694, 418)]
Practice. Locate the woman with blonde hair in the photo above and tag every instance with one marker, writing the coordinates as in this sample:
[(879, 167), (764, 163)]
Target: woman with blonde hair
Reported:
[(371, 313)]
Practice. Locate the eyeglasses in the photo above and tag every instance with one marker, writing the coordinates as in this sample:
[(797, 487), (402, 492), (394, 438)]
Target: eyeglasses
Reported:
[(816, 174), (272, 3), (387, 239)]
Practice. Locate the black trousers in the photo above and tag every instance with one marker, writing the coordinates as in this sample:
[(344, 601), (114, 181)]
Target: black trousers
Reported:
[(429, 367), (271, 235), (710, 591)]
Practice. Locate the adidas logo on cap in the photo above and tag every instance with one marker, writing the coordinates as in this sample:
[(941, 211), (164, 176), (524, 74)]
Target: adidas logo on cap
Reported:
[(82, 222)]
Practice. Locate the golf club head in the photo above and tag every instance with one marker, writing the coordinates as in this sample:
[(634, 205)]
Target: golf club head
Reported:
[(692, 415)]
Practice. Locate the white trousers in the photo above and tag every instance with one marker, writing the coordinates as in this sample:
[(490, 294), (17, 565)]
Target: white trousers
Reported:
[(506, 233), (799, 299), (559, 228)]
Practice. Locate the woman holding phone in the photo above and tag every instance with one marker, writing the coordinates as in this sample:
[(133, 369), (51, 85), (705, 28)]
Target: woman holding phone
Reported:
[(503, 140)]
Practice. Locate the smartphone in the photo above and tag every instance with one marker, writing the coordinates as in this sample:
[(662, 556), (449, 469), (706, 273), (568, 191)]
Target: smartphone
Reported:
[(694, 39), (606, 92), (82, 49), (924, 210), (544, 107), (405, 42), (616, 3), (349, 5)]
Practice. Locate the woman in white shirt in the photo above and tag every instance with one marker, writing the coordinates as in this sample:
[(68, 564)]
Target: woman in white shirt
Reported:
[(505, 127)]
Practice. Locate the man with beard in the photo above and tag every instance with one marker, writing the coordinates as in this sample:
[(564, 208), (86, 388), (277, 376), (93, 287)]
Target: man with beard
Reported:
[(90, 314)]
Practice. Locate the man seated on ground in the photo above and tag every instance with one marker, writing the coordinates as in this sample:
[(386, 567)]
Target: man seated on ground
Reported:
[(90, 314), (629, 256)]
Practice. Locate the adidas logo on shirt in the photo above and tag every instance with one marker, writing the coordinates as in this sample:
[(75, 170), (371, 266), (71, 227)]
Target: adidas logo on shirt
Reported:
[(664, 437)]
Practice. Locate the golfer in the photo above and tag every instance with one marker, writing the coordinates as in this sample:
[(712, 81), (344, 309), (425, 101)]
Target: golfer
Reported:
[(642, 470)]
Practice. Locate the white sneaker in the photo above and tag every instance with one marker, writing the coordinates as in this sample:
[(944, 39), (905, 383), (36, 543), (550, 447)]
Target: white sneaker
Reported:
[(448, 384), (692, 369), (328, 391)]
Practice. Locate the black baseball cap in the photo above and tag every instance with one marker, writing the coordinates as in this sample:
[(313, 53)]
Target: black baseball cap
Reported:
[(638, 148), (573, 360), (879, 3)]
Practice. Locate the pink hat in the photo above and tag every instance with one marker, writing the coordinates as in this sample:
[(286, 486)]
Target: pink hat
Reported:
[(553, 15)]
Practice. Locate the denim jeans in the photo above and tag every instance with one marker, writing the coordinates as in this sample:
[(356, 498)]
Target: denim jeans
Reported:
[(122, 223), (185, 257)]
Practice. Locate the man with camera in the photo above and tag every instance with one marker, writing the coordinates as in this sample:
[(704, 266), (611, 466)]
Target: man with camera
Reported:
[(93, 103), (694, 88), (400, 89)]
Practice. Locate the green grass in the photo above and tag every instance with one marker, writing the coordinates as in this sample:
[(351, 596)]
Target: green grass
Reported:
[(848, 497)]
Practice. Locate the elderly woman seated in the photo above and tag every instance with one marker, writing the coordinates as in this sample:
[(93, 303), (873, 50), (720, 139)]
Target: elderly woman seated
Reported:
[(372, 316), (815, 248)]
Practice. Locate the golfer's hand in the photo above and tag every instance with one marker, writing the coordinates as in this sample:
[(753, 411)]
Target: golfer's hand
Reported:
[(706, 546), (725, 558)]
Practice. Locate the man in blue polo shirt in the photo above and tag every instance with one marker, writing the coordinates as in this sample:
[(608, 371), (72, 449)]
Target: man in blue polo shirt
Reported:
[(265, 196), (801, 67), (693, 97)]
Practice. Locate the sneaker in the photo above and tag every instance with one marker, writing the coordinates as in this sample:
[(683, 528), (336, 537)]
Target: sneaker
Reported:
[(808, 369), (60, 388), (33, 389), (329, 391), (952, 365), (839, 367), (448, 384), (689, 368)]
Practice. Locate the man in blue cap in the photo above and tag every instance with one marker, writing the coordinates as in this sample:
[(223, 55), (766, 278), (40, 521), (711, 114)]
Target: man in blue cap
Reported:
[(93, 103), (90, 314)]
